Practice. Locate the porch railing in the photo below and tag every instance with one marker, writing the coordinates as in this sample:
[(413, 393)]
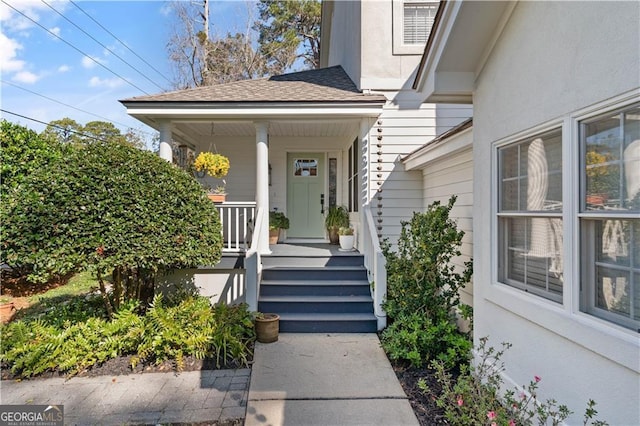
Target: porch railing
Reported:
[(236, 219), (375, 263), (253, 264)]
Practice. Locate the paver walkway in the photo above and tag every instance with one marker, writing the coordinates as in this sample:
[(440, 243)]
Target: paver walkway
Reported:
[(148, 398), (303, 379)]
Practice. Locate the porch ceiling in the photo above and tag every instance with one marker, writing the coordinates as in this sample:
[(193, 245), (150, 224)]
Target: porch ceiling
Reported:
[(276, 128)]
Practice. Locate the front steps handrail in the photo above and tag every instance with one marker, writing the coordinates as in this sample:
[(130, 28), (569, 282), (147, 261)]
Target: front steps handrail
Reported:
[(376, 265), (253, 263)]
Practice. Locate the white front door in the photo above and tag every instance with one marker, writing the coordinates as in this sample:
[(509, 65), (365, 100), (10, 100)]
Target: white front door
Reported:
[(305, 195)]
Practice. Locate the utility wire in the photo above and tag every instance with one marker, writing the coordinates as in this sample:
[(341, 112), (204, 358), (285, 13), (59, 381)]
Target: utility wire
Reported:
[(108, 49), (54, 125), (120, 41), (75, 48), (71, 106)]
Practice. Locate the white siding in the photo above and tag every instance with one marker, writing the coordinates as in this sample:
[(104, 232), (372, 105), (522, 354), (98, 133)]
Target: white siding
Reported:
[(404, 125), (553, 58), (453, 175)]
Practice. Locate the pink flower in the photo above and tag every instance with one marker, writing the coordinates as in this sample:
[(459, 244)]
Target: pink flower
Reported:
[(523, 395), (511, 422), (491, 415), (494, 424), (460, 401), (537, 378)]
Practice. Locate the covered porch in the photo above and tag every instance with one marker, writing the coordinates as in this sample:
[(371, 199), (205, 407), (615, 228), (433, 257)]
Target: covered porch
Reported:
[(291, 141)]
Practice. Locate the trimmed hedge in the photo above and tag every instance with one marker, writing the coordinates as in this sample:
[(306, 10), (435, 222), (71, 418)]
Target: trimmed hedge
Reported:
[(115, 209)]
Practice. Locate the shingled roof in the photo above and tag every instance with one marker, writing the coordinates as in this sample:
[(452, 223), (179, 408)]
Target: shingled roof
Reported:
[(325, 85)]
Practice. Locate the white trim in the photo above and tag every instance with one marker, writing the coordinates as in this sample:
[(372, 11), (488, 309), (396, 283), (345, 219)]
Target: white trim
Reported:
[(430, 153), (607, 339)]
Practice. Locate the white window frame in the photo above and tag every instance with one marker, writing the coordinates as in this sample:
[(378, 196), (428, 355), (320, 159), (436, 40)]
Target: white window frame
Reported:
[(502, 256), (585, 298), (607, 339), (399, 47)]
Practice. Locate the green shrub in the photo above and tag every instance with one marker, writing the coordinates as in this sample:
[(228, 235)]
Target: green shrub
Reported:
[(414, 338), (193, 328), (474, 397), (61, 340), (423, 290), (23, 152), (115, 209)]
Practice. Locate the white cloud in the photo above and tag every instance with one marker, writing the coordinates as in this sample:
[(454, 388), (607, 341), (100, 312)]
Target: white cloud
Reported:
[(166, 9), (64, 68), (55, 30), (110, 83), (26, 77), (13, 21), (89, 62), (8, 52)]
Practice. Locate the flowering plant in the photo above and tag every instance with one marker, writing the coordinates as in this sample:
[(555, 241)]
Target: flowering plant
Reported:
[(474, 397), (215, 165)]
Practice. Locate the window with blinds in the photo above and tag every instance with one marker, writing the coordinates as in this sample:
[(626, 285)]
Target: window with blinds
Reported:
[(417, 22)]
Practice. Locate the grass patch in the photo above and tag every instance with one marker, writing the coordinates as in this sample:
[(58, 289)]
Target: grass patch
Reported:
[(78, 287)]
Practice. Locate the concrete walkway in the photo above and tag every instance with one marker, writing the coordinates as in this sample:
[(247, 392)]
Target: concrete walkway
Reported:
[(303, 379), (325, 379), (148, 398)]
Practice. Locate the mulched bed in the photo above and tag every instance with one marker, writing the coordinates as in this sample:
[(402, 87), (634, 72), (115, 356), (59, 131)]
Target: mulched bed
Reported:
[(122, 366), (423, 403)]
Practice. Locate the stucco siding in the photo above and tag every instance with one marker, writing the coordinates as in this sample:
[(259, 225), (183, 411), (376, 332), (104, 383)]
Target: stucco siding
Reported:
[(345, 48), (552, 60)]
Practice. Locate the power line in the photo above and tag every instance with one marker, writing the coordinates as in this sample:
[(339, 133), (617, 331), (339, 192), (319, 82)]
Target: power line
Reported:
[(107, 48), (54, 125), (75, 48), (120, 41), (70, 106)]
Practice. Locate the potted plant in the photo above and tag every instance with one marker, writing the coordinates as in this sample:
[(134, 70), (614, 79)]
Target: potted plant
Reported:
[(277, 221), (346, 238), (217, 166), (217, 194), (267, 327), (7, 309), (337, 217)]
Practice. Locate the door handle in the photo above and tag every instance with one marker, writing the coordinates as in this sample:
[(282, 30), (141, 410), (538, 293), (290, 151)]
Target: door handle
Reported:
[(322, 203)]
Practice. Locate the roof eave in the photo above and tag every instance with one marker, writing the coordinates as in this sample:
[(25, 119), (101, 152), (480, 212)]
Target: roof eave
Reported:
[(152, 112), (444, 73), (452, 141)]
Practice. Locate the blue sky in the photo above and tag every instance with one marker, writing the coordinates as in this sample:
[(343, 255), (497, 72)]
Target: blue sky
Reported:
[(36, 61)]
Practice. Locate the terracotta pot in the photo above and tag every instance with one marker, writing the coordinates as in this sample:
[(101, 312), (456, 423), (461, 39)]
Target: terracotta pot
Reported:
[(7, 310), (274, 234), (217, 198), (267, 328)]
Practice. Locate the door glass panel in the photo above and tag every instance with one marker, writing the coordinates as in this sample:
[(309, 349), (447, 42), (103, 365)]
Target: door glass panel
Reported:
[(305, 167)]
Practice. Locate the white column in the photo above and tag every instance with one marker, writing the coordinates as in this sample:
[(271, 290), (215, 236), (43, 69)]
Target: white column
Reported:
[(166, 152), (262, 182)]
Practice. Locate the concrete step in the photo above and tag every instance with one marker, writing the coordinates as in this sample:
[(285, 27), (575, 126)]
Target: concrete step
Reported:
[(343, 273), (315, 304), (314, 288), (328, 323)]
